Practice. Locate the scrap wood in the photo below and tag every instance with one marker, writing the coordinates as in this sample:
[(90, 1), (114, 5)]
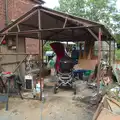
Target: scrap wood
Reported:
[(105, 114), (86, 64), (115, 106), (105, 103), (99, 109)]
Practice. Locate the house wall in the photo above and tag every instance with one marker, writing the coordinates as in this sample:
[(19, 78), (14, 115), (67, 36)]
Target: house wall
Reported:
[(16, 8), (13, 58), (2, 14)]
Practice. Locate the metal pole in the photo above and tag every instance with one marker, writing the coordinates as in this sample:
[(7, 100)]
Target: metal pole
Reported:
[(114, 53), (99, 59), (17, 47), (110, 53), (39, 37)]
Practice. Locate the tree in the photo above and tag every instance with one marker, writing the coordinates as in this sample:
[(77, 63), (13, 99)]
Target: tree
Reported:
[(103, 11), (47, 47)]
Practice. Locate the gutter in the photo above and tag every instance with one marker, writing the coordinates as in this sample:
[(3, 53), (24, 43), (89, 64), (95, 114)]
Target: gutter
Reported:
[(6, 12)]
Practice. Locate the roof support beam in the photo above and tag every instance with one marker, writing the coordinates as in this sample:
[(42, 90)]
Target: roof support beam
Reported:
[(58, 31), (60, 15), (93, 34), (51, 29), (18, 28), (2, 39), (17, 22), (17, 54), (65, 22)]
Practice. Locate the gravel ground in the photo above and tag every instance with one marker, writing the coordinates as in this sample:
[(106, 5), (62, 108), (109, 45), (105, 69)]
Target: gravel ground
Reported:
[(62, 106)]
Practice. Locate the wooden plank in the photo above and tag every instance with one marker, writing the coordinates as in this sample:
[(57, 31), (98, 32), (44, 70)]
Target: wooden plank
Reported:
[(108, 115), (86, 64), (99, 109)]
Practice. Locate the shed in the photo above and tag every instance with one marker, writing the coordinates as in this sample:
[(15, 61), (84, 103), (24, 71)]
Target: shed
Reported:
[(45, 24)]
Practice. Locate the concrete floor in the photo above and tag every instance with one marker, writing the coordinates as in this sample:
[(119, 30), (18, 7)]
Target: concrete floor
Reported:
[(60, 106)]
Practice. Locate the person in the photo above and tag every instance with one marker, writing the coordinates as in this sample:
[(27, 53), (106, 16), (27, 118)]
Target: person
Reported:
[(52, 66)]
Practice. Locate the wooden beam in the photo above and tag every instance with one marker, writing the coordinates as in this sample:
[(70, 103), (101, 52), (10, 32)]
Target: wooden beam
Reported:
[(18, 28), (17, 54), (114, 52), (15, 62), (50, 29), (92, 33), (20, 64), (8, 63), (39, 37), (99, 60), (69, 18), (110, 53), (65, 22), (2, 39), (26, 17)]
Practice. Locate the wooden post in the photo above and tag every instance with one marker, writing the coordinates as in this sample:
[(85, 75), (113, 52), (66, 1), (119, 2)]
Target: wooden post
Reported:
[(114, 53), (17, 48), (0, 52), (39, 37), (99, 59), (110, 53)]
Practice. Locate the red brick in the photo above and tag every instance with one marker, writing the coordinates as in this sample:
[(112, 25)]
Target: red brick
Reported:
[(17, 8)]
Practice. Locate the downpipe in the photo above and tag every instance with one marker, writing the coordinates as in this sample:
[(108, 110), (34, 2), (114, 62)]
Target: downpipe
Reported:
[(6, 12)]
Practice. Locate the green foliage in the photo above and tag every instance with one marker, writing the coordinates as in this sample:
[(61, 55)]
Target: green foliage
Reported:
[(47, 47), (117, 53), (103, 11)]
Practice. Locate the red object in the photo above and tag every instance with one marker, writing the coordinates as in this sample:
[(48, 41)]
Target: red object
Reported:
[(7, 72), (58, 48), (4, 42)]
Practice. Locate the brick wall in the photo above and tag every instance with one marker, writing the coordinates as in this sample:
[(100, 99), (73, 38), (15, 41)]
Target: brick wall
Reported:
[(2, 14), (17, 8), (21, 7)]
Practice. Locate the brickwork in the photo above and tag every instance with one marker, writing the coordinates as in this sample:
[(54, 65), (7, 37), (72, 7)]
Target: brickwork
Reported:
[(2, 14), (17, 8)]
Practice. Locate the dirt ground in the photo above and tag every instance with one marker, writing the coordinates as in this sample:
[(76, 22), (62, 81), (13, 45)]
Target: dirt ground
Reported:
[(61, 106)]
